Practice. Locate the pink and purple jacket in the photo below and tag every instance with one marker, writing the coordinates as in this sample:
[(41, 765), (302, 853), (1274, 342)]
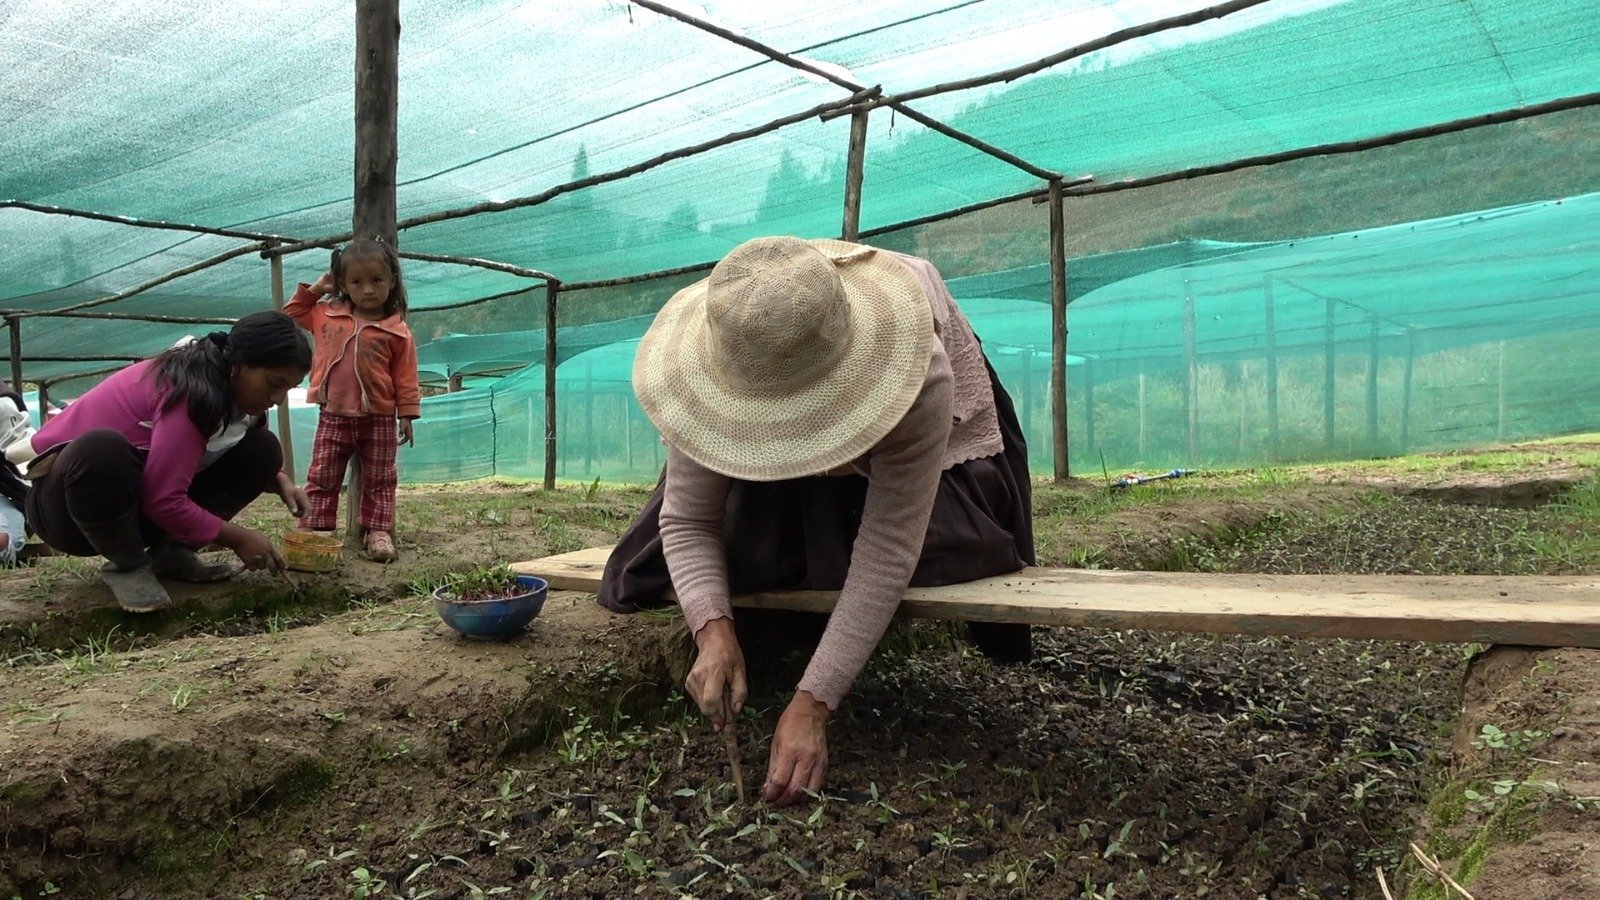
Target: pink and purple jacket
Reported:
[(131, 403)]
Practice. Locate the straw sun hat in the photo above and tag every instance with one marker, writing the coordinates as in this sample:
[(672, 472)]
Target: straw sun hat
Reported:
[(791, 358)]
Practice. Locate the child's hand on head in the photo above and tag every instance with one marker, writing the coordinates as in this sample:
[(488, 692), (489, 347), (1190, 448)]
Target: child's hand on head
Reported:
[(324, 284)]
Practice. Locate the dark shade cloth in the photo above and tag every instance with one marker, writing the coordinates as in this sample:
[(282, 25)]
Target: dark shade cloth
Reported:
[(797, 534), (99, 477)]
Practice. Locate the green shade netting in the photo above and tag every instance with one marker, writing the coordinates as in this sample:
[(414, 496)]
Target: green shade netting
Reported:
[(238, 114), (1491, 339)]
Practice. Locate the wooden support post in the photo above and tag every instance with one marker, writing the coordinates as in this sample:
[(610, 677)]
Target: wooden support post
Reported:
[(1372, 388), (377, 117), (552, 291), (14, 325), (1500, 416), (377, 105), (1058, 331), (285, 437), (855, 171), (1405, 395), (1272, 369), (1191, 379), (1327, 378), (44, 402)]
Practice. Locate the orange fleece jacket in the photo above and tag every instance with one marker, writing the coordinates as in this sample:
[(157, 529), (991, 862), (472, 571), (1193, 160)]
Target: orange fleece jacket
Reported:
[(385, 356)]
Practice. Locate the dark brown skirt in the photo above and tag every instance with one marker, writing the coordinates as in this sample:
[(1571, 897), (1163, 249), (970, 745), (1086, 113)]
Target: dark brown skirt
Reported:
[(797, 534)]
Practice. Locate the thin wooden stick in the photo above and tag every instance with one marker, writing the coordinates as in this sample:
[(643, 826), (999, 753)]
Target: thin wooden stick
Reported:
[(592, 180), (1577, 101), (730, 741), (1055, 59), (293, 585), (159, 280), (1437, 870), (851, 85), (1384, 884)]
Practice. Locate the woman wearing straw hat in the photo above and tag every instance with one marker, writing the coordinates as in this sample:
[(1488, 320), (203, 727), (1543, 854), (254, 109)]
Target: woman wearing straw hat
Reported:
[(832, 424)]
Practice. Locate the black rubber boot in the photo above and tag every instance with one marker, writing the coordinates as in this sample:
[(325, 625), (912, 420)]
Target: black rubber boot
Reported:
[(128, 571), (171, 559)]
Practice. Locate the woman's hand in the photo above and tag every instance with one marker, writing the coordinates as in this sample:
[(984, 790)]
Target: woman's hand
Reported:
[(252, 547), (324, 285), (717, 681), (405, 433), (294, 496), (799, 750)]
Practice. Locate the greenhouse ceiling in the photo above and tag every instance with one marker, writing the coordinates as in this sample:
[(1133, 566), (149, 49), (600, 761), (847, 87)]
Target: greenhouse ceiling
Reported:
[(238, 115)]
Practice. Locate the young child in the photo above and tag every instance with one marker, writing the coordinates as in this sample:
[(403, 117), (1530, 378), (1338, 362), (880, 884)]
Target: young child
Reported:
[(364, 376), (14, 426)]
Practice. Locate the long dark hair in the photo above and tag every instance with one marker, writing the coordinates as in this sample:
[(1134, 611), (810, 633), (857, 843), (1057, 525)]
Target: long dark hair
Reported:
[(201, 371), (369, 248)]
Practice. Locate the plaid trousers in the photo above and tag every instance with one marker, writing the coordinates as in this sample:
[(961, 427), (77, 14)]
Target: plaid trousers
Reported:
[(338, 438)]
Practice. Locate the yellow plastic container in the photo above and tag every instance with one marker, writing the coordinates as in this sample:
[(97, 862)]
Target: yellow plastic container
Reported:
[(306, 552)]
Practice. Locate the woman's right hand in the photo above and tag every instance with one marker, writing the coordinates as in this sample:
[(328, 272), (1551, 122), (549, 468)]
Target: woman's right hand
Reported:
[(323, 285), (253, 548), (717, 680)]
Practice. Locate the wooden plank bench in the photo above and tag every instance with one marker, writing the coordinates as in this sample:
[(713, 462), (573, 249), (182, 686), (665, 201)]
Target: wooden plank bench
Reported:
[(1535, 610)]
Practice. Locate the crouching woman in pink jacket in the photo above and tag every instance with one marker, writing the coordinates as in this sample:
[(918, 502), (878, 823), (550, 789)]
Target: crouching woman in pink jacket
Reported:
[(152, 464)]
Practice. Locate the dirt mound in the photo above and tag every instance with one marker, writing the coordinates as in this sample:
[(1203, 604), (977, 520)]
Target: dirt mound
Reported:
[(142, 758), (341, 744)]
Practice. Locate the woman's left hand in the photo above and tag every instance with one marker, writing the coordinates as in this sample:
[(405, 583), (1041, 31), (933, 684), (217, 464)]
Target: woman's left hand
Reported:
[(405, 433), (294, 496), (799, 750)]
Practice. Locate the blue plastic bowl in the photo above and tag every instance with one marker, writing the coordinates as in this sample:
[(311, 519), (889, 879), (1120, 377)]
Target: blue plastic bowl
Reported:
[(493, 620)]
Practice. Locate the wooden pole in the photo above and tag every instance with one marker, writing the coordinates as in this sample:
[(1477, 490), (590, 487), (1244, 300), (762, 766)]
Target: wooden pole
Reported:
[(1058, 331), (1327, 377), (552, 291), (848, 84), (1272, 369), (377, 106), (44, 402), (1405, 396), (14, 326), (855, 170), (285, 437), (445, 215), (1372, 388), (141, 288), (127, 317), (1383, 140), (377, 125), (1055, 59), (1191, 380)]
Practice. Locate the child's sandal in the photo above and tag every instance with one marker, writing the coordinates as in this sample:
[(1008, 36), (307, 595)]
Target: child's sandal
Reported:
[(380, 547)]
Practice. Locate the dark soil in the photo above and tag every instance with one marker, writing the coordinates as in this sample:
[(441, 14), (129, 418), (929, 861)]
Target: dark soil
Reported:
[(360, 750)]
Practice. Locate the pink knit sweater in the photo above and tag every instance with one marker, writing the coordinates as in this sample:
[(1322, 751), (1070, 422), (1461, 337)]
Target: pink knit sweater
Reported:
[(951, 421)]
